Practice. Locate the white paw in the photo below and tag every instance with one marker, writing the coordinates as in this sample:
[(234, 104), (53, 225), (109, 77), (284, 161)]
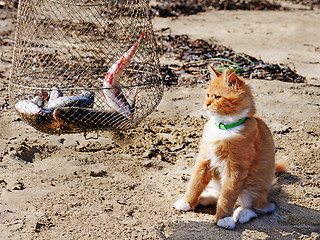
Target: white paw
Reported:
[(226, 222), (182, 205), (243, 215)]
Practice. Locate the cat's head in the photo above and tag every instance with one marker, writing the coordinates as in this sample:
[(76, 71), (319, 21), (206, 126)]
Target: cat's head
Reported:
[(228, 95)]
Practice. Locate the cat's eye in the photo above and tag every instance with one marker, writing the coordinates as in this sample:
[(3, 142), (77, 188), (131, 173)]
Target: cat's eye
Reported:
[(214, 96)]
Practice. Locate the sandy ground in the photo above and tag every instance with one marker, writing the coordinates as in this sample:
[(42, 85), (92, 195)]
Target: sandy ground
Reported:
[(67, 187)]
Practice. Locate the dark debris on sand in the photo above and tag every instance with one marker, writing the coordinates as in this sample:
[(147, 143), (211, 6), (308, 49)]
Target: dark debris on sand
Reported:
[(9, 4), (175, 8), (195, 56), (310, 3)]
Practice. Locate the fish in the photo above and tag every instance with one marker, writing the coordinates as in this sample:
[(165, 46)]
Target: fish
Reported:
[(57, 101), (54, 95), (33, 106), (33, 113), (70, 118), (43, 117), (27, 107), (81, 100), (111, 87)]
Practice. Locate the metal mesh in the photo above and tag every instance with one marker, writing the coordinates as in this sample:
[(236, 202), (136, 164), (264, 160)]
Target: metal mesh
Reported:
[(66, 48)]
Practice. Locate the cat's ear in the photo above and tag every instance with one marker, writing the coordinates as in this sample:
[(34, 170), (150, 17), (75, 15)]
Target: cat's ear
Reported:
[(233, 80), (214, 73)]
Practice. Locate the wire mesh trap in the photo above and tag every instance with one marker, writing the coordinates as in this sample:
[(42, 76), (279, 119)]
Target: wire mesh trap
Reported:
[(84, 65)]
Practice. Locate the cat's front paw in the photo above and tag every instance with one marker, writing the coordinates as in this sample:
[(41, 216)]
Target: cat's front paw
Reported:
[(227, 222), (182, 205)]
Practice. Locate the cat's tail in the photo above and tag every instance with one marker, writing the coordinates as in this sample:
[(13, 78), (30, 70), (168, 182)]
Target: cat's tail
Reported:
[(281, 166)]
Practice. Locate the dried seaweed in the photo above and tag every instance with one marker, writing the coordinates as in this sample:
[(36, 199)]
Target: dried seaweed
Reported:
[(196, 55), (310, 3), (165, 8), (175, 8)]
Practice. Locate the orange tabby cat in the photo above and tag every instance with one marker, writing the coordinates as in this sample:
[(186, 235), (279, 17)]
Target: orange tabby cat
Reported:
[(235, 167)]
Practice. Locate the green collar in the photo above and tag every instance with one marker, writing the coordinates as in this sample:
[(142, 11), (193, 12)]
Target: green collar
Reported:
[(231, 125)]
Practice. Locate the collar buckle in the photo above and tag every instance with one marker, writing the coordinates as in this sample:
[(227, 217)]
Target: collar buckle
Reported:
[(222, 126)]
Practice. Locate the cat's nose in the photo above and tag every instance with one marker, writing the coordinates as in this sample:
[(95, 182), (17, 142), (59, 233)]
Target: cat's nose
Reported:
[(207, 104)]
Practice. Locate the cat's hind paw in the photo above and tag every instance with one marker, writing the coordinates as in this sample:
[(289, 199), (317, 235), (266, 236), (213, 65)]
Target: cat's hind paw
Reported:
[(182, 205), (243, 215), (269, 209), (227, 222)]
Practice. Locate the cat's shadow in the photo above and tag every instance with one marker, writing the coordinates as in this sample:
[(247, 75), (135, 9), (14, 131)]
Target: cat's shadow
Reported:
[(289, 221)]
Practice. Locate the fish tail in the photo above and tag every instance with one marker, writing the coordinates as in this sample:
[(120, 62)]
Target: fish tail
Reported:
[(129, 54), (132, 50)]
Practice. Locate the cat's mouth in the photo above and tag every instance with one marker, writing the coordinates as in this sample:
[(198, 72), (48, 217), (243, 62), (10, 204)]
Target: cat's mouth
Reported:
[(210, 108)]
